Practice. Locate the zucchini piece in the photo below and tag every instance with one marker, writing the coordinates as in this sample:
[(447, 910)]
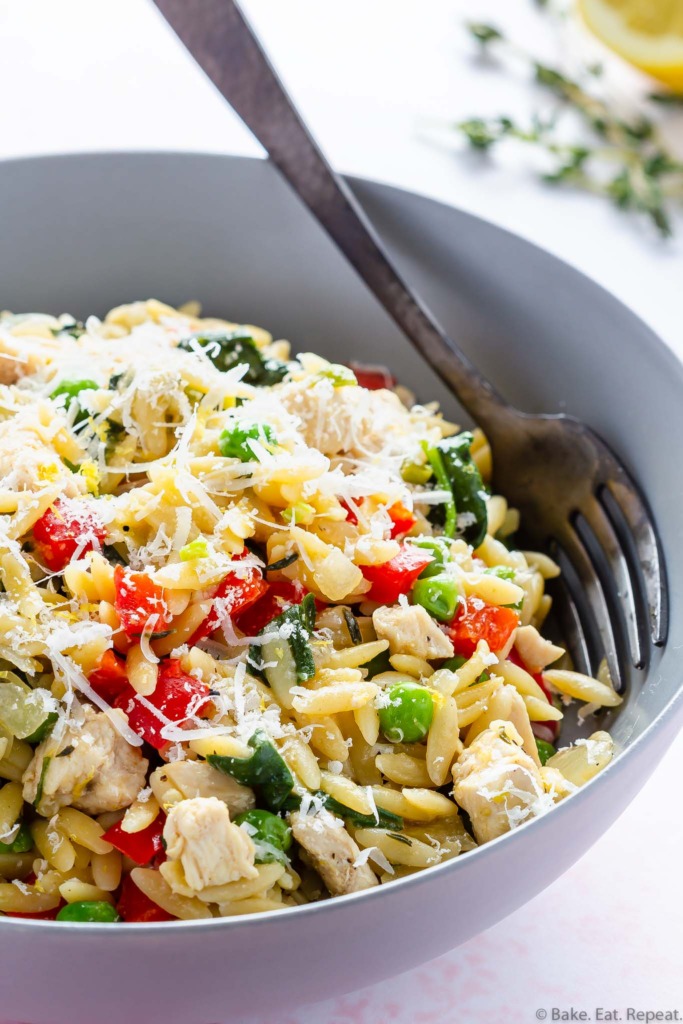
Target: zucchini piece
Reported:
[(285, 657), (265, 771)]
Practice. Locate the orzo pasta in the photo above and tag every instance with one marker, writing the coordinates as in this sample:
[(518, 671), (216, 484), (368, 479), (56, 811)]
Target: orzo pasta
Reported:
[(265, 636)]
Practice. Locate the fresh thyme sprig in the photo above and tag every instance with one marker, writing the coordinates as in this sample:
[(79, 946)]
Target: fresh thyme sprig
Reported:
[(622, 159)]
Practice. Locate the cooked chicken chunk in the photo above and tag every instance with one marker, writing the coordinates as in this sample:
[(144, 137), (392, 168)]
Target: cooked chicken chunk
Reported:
[(496, 782), (332, 852), (411, 630), (210, 848), (535, 651), (91, 768)]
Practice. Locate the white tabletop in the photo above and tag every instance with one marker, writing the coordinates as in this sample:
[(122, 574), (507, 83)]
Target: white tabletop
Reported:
[(368, 74)]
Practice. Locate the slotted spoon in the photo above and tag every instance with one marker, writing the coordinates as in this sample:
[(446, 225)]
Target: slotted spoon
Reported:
[(574, 494)]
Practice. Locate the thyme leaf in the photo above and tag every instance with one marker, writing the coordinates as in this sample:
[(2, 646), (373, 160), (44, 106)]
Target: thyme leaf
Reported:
[(622, 159)]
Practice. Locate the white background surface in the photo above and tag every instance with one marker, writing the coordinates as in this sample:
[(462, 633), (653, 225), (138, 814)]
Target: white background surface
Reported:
[(106, 74)]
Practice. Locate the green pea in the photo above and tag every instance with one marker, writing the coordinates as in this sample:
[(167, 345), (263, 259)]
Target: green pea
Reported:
[(545, 750), (233, 443), (95, 911), (270, 833), (503, 572), (413, 473), (438, 595), (409, 714), (72, 388), (22, 842), (440, 549)]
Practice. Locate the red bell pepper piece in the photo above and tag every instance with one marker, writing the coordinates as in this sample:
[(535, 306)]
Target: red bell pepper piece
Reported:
[(135, 906), (551, 726), (395, 577), (139, 846), (351, 516), (139, 603), (373, 377), (475, 620), (66, 528), (177, 696), (39, 915), (233, 595), (280, 595), (109, 679), (402, 520)]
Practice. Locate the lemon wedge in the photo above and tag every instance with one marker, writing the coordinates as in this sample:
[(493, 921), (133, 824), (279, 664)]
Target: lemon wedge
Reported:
[(646, 33)]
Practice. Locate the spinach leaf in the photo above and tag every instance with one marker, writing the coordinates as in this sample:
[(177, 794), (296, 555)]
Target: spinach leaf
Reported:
[(384, 819), (265, 771), (227, 349), (41, 782), (464, 480), (380, 663)]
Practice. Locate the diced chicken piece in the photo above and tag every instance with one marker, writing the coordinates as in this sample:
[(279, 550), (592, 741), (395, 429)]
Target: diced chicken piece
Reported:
[(497, 783), (210, 848), (349, 420), (332, 852), (411, 630), (535, 651), (92, 768), (198, 778)]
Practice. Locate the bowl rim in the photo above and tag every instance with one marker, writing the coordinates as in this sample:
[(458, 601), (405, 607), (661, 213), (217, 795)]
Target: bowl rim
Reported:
[(144, 930)]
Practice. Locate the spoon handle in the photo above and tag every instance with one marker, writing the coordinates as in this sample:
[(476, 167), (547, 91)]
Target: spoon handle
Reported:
[(219, 38)]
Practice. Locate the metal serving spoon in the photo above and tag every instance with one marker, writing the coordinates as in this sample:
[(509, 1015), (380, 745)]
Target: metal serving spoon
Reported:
[(572, 491)]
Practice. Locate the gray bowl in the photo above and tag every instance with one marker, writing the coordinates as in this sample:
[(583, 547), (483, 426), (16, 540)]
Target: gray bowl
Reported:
[(80, 234)]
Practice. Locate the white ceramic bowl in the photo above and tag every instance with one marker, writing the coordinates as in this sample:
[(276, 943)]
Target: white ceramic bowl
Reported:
[(83, 233)]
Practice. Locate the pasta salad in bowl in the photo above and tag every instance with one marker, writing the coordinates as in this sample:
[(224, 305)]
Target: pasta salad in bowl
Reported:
[(265, 634)]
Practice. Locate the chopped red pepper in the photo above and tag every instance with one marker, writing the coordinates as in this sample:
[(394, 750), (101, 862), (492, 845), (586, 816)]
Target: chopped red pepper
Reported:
[(477, 621), (68, 527), (351, 516), (177, 696), (395, 577), (139, 603), (134, 905), (550, 725), (109, 679), (280, 595), (233, 595), (139, 846), (373, 377), (402, 519), (39, 915)]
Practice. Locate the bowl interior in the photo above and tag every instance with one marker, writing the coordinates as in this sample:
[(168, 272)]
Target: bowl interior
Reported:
[(83, 233)]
